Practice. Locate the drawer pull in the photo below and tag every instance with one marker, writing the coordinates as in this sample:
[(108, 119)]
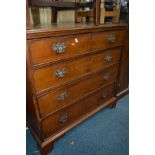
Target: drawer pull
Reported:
[(106, 76), (108, 58), (104, 95), (59, 48), (60, 73), (63, 96), (112, 38), (63, 118)]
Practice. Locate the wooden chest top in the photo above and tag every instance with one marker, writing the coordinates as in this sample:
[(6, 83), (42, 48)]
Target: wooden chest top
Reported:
[(67, 29)]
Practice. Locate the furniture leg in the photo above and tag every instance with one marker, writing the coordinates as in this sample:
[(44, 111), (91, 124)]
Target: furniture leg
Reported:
[(44, 150), (113, 105)]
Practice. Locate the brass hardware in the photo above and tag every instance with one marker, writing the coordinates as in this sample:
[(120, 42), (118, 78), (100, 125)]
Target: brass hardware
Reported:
[(60, 73), (64, 118), (108, 58), (112, 38), (106, 76), (59, 47), (63, 96), (104, 95)]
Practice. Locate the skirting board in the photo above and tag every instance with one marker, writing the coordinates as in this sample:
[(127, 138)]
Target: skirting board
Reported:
[(122, 93)]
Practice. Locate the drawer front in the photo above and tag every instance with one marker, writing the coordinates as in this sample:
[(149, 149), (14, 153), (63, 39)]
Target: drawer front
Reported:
[(64, 96), (61, 119), (107, 39), (55, 75), (56, 48), (100, 97)]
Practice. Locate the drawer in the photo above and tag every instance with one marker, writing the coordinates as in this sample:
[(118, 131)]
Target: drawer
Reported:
[(61, 119), (107, 39), (65, 95), (61, 73), (64, 117), (100, 97), (56, 48)]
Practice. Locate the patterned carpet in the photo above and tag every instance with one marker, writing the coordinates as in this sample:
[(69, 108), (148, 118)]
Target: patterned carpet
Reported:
[(105, 133)]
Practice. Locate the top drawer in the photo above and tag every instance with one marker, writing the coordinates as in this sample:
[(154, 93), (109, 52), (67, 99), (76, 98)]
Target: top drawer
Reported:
[(102, 40), (56, 48)]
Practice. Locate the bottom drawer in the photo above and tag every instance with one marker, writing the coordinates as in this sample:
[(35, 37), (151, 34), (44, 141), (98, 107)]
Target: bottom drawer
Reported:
[(68, 115), (99, 97)]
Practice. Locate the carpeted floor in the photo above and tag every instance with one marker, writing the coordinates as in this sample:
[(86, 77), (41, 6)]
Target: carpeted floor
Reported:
[(105, 133)]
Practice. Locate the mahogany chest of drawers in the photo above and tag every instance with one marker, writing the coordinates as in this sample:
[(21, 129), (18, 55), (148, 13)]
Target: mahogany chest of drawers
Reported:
[(71, 74)]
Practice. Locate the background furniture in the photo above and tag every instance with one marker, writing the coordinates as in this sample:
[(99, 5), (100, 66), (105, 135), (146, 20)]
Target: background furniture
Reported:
[(110, 8), (124, 12), (99, 11), (55, 5), (78, 5), (87, 11)]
